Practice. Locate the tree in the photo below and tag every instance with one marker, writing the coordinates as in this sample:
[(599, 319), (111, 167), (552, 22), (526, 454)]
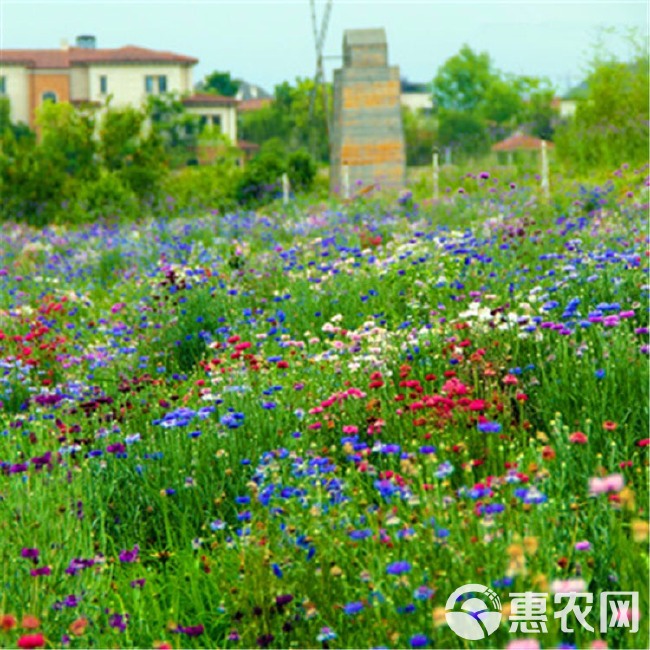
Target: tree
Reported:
[(610, 126), (296, 116), (67, 139), (178, 129), (420, 136), (220, 83), (463, 81), (464, 131), (137, 157)]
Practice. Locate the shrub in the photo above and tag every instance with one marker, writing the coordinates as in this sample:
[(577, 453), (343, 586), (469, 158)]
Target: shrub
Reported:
[(260, 181), (301, 169), (205, 187)]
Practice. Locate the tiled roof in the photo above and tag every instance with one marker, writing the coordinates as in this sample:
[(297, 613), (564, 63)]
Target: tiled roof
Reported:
[(519, 141), (206, 99), (247, 105), (84, 56)]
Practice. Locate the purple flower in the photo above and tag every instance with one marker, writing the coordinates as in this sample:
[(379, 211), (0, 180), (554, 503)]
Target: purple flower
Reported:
[(41, 571), (30, 554), (131, 556), (190, 630), (119, 621)]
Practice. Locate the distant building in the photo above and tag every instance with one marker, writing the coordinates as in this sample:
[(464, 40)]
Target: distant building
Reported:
[(215, 111), (416, 96), (517, 143), (249, 91), (85, 73)]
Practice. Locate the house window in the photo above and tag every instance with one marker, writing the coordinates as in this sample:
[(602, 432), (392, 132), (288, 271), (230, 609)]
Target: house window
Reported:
[(103, 84), (49, 96), (151, 82), (216, 122), (3, 85)]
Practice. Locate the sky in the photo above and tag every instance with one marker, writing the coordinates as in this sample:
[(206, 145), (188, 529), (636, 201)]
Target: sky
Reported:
[(266, 42)]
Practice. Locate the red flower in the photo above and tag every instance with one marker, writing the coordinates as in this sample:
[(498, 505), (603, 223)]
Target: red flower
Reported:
[(578, 438), (608, 425), (7, 622), (31, 641)]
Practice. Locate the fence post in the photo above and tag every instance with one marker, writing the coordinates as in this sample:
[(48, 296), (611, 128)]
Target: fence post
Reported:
[(436, 174), (285, 189), (545, 181), (346, 182)]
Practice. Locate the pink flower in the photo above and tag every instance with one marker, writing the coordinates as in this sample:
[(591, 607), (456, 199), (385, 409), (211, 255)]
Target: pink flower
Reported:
[(350, 428), (577, 585), (523, 644), (117, 307), (582, 546), (611, 483), (578, 438)]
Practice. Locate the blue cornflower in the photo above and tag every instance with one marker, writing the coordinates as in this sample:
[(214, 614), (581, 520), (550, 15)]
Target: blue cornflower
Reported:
[(353, 608), (423, 593), (397, 568), (489, 427), (418, 641)]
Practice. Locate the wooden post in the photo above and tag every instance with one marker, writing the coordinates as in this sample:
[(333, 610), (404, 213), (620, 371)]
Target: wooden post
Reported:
[(346, 181), (545, 181), (285, 189), (436, 174)]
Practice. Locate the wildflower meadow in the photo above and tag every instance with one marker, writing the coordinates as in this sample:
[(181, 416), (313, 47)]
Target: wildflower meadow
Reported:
[(307, 426)]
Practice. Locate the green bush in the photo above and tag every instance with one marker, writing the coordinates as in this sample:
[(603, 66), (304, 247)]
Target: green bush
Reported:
[(261, 179), (108, 196), (206, 187), (611, 122), (301, 169)]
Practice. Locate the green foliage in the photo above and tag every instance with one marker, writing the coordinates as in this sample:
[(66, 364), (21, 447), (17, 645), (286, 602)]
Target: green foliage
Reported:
[(137, 157), (67, 139), (479, 104), (210, 187), (420, 135), (106, 196), (19, 130), (296, 116), (178, 130), (260, 181), (301, 169), (463, 131), (611, 122), (220, 83)]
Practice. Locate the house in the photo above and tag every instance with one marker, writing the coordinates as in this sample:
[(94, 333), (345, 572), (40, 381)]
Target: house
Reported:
[(216, 111), (516, 143), (86, 74), (416, 96)]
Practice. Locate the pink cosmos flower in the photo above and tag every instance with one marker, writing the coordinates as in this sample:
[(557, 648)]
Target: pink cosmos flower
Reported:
[(611, 483)]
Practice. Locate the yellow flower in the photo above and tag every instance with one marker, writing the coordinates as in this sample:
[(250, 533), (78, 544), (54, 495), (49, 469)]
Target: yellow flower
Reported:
[(640, 530)]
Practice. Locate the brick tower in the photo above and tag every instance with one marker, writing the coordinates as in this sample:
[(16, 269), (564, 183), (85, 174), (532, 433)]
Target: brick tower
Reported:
[(367, 133)]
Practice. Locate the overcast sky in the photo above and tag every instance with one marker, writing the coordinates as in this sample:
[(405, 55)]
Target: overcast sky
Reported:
[(266, 42)]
